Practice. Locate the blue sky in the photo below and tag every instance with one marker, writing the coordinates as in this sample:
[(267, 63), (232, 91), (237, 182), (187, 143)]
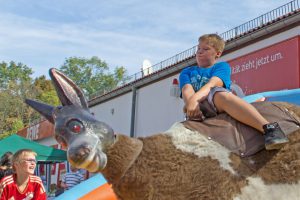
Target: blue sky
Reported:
[(43, 33)]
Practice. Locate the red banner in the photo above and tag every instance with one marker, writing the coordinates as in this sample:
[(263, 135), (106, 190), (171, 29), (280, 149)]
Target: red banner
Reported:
[(273, 68)]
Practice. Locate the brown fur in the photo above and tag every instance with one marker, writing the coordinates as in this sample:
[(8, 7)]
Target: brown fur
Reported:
[(163, 172), (284, 167), (281, 166), (122, 159), (159, 171)]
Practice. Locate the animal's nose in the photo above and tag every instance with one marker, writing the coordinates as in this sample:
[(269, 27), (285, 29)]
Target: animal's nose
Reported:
[(78, 154)]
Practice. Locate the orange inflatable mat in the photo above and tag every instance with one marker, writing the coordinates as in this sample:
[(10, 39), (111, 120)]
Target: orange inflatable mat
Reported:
[(104, 192)]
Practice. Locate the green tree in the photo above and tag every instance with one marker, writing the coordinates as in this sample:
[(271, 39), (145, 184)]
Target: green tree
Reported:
[(15, 82), (92, 75), (45, 91), (16, 85), (18, 73)]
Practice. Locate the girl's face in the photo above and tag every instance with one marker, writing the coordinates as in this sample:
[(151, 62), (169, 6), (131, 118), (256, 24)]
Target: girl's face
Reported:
[(206, 55)]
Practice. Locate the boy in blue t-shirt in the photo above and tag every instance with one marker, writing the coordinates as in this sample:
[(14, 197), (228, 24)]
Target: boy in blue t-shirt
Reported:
[(209, 84)]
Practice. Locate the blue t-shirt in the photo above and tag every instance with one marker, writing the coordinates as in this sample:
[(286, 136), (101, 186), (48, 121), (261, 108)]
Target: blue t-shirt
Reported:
[(198, 76)]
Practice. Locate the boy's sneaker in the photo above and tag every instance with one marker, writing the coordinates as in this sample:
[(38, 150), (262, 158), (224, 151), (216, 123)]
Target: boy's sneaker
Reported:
[(274, 136)]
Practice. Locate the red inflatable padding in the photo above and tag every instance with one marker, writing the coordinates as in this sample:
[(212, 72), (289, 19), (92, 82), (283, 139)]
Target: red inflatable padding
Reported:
[(104, 192)]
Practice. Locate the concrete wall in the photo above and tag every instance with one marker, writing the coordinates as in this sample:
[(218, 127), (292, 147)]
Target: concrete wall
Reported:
[(157, 110), (116, 113)]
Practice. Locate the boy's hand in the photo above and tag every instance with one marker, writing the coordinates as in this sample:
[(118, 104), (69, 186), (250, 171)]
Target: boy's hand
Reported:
[(192, 109)]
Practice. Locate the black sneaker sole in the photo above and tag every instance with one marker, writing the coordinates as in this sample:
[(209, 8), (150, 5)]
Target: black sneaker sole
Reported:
[(276, 145)]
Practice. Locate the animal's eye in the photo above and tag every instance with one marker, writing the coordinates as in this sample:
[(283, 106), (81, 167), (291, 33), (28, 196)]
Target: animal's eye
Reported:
[(75, 126)]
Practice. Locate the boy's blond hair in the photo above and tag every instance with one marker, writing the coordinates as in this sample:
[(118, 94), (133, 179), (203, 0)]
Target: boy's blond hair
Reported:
[(20, 154), (213, 40)]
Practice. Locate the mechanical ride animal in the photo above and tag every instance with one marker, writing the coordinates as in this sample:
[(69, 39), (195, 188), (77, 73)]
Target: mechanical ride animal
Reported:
[(189, 161)]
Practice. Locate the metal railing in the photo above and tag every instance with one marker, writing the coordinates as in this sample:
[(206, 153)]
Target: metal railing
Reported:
[(164, 64), (238, 31), (261, 20)]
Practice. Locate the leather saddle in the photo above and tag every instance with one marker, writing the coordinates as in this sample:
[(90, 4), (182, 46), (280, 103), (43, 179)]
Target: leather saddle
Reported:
[(238, 137)]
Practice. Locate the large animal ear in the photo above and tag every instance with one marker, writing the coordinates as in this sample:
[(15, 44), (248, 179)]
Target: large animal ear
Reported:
[(68, 92), (44, 109)]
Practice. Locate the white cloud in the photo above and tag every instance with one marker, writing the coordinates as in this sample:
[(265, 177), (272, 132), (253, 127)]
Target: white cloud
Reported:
[(42, 34)]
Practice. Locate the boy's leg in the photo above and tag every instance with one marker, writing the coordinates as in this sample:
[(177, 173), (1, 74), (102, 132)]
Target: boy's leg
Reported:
[(239, 110), (247, 114)]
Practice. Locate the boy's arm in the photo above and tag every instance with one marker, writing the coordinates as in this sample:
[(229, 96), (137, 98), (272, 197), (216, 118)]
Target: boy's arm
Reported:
[(193, 99), (201, 94), (63, 184), (187, 94)]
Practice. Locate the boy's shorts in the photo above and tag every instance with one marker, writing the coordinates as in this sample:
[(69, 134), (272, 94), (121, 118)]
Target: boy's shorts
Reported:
[(208, 107)]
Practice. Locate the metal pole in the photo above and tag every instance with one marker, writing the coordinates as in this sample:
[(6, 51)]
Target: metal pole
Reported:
[(48, 171), (132, 124)]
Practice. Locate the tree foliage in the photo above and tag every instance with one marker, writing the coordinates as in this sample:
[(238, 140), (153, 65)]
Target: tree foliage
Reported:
[(92, 75), (18, 73), (16, 84), (45, 91)]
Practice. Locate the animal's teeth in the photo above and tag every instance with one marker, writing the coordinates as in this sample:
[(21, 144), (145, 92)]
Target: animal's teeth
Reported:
[(94, 165), (87, 161)]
